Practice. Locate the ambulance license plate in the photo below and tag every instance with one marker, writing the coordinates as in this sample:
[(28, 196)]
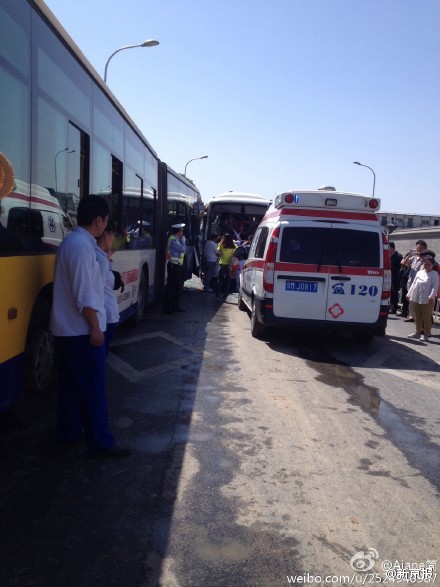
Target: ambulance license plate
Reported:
[(304, 286)]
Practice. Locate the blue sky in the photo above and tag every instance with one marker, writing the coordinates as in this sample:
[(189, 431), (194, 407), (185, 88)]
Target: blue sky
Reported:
[(280, 94)]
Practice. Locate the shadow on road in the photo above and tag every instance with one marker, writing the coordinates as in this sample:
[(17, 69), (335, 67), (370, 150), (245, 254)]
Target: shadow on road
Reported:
[(78, 522), (70, 520)]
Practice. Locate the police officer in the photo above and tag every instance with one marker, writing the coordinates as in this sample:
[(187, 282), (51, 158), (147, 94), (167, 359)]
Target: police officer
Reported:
[(176, 247)]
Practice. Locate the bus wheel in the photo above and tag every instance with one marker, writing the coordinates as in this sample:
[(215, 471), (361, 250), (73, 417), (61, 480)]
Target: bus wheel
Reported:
[(141, 300), (185, 275), (257, 329), (39, 362)]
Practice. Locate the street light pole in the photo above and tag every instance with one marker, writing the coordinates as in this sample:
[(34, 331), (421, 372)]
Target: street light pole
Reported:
[(196, 159), (149, 43), (374, 175)]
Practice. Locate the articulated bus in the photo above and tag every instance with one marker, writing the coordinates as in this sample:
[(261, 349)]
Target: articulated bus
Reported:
[(63, 135), (185, 205)]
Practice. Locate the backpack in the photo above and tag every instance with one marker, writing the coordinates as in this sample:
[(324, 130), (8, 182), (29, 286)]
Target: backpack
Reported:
[(241, 253)]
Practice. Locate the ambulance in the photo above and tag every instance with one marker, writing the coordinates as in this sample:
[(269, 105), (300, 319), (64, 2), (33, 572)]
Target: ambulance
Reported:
[(35, 216), (319, 262)]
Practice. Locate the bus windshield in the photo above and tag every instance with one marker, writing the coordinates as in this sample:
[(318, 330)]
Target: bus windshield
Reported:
[(236, 213)]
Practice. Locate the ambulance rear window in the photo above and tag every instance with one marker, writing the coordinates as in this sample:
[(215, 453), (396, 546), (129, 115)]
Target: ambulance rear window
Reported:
[(330, 246)]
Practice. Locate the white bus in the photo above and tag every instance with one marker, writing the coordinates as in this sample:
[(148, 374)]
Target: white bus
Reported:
[(187, 208), (238, 212), (64, 135)]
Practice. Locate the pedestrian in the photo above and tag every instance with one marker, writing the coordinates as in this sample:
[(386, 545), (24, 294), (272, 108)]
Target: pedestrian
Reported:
[(241, 239), (241, 253), (112, 281), (436, 268), (396, 259), (176, 247), (210, 260), (429, 253), (227, 226), (78, 322), (422, 294), (226, 248), (412, 262)]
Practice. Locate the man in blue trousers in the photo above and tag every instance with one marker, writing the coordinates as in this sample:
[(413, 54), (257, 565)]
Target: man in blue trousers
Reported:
[(78, 322)]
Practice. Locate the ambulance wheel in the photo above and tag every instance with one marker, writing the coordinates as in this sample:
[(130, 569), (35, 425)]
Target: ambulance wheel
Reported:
[(241, 305), (257, 329)]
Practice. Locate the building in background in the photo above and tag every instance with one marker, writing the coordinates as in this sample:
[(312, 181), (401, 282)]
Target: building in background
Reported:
[(401, 220)]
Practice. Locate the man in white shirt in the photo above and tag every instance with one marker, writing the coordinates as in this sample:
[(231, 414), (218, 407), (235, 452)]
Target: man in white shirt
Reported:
[(78, 322), (210, 260)]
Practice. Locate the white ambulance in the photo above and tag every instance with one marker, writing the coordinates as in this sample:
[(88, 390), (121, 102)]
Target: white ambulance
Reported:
[(319, 262), (35, 216)]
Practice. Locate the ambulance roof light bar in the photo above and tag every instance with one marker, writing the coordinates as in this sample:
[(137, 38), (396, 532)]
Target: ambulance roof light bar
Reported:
[(307, 199), (296, 198)]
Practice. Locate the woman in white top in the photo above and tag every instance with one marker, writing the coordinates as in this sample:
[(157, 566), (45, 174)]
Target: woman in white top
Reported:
[(108, 278), (422, 294)]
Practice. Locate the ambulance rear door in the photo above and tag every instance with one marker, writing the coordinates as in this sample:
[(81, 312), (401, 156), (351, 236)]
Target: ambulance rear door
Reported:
[(355, 274), (328, 270), (301, 277)]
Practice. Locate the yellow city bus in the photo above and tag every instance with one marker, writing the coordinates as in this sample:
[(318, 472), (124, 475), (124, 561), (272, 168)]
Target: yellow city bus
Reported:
[(64, 136)]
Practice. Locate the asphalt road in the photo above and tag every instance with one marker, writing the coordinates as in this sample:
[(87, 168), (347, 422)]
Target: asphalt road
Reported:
[(254, 461)]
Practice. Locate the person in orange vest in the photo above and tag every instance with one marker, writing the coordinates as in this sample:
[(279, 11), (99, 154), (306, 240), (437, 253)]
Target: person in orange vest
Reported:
[(176, 247)]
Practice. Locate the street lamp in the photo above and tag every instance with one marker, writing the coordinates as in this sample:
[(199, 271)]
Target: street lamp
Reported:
[(374, 175), (196, 159), (149, 43), (59, 152)]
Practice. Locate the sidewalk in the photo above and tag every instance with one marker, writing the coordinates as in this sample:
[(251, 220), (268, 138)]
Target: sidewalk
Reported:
[(90, 522)]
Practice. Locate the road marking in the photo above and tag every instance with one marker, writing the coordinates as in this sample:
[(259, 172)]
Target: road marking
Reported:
[(135, 375)]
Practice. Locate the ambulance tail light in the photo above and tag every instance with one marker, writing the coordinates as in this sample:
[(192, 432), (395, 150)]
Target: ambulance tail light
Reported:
[(269, 264), (386, 289)]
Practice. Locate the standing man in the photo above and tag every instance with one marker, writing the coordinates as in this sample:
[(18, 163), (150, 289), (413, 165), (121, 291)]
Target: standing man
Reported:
[(210, 260), (78, 322), (395, 259), (176, 248), (413, 261)]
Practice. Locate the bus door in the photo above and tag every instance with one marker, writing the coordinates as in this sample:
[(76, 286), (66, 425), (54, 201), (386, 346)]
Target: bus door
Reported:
[(75, 184)]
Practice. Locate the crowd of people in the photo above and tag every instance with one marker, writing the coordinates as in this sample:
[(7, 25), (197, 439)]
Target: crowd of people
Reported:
[(415, 280), (415, 286), (223, 257), (85, 313)]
